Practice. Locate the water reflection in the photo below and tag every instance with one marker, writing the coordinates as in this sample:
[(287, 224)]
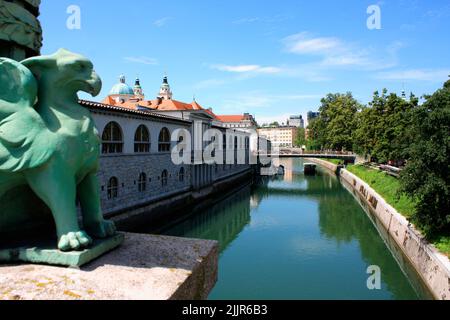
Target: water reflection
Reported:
[(222, 222), (296, 237)]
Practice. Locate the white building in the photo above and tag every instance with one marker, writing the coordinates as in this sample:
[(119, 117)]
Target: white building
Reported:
[(280, 136)]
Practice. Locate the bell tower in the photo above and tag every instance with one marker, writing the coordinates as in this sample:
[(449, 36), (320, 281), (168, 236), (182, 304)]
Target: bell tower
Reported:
[(138, 92), (165, 92)]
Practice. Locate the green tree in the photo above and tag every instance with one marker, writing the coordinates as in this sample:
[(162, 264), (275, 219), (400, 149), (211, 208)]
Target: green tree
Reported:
[(316, 134), (274, 124), (300, 139), (334, 127), (364, 137), (381, 127), (426, 177)]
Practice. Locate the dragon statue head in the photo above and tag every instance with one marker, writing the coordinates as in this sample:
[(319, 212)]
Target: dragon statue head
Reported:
[(67, 73)]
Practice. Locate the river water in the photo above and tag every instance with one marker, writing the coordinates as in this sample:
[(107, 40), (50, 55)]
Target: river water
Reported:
[(296, 237)]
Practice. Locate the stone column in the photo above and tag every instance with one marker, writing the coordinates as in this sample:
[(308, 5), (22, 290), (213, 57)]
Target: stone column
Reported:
[(20, 30)]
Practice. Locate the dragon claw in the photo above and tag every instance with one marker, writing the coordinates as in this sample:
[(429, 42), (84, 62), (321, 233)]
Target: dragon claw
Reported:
[(74, 241)]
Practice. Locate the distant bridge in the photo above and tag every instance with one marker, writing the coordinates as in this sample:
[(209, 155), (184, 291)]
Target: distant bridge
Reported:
[(299, 153)]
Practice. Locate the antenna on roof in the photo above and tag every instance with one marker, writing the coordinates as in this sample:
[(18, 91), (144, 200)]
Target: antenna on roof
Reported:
[(194, 97)]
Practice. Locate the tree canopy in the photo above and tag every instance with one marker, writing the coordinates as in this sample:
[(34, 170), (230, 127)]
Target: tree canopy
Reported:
[(334, 127), (391, 128), (381, 127), (300, 139), (427, 173)]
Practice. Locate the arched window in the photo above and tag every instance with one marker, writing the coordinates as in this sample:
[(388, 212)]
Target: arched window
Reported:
[(142, 140), (164, 140), (113, 188), (112, 141), (181, 175), (164, 175), (142, 182)]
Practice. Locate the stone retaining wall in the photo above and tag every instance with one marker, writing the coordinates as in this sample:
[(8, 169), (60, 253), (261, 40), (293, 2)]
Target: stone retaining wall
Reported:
[(429, 264), (432, 266), (328, 165), (161, 211)]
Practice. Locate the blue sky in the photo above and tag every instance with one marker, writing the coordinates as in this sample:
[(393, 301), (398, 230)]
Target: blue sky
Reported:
[(269, 58)]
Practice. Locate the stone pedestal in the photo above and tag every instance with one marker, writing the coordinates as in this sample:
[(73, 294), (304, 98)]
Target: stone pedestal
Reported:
[(45, 252), (144, 267)]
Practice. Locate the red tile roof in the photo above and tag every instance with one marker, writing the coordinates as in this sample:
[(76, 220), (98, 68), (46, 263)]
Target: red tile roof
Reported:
[(158, 105), (231, 118), (110, 107), (171, 105)]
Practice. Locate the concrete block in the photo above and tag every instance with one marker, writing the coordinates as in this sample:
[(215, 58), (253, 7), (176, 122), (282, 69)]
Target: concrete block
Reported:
[(145, 267)]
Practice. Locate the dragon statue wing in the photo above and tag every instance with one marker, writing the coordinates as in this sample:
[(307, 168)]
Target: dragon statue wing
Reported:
[(23, 142)]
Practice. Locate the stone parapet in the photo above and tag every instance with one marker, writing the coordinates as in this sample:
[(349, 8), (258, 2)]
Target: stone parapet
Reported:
[(145, 267)]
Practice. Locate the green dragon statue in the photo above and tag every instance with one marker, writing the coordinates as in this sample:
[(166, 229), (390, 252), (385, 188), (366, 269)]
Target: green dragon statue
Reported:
[(49, 143)]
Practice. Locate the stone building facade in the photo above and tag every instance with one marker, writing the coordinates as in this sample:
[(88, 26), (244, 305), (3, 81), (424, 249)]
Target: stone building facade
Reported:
[(138, 137), (135, 172)]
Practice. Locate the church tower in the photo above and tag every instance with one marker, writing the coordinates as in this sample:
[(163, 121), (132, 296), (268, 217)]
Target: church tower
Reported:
[(138, 92), (165, 92)]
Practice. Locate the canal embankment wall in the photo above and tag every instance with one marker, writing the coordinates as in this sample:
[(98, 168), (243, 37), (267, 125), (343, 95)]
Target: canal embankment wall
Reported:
[(429, 264), (326, 164), (154, 214), (432, 266)]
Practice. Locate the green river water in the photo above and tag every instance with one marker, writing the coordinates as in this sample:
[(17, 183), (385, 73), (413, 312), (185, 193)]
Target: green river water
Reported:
[(296, 237)]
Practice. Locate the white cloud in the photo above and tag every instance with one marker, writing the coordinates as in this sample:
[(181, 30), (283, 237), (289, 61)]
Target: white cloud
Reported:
[(345, 60), (142, 60), (161, 22), (266, 20), (250, 68), (245, 20), (302, 43), (256, 99), (308, 72), (436, 75), (335, 52)]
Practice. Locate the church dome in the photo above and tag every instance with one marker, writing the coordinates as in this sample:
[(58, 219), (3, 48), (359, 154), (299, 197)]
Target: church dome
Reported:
[(121, 88)]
